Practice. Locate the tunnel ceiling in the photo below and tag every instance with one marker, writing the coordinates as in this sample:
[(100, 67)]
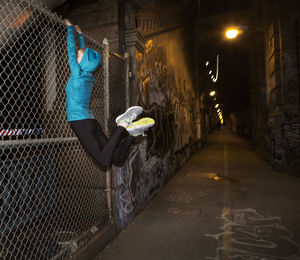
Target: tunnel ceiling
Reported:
[(198, 7), (233, 83), (213, 7)]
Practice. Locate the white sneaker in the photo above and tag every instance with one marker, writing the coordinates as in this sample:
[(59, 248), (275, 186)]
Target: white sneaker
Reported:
[(139, 127), (131, 114)]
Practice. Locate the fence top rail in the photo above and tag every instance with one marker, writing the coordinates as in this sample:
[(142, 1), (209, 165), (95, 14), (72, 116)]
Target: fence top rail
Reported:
[(36, 141)]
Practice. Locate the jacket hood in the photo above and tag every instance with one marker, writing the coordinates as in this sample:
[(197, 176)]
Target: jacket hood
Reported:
[(90, 60)]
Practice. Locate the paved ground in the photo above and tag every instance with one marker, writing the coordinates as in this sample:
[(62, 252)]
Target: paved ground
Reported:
[(225, 203)]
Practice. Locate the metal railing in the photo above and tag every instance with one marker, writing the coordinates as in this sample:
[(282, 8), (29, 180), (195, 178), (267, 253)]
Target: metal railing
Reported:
[(54, 197)]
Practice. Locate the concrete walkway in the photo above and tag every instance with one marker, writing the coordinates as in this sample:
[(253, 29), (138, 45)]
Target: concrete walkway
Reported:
[(225, 203)]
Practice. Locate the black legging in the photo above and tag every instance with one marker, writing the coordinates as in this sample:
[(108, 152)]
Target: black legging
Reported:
[(94, 141)]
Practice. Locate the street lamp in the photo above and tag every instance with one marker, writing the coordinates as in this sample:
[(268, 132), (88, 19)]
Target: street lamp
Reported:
[(212, 93), (217, 105), (232, 33)]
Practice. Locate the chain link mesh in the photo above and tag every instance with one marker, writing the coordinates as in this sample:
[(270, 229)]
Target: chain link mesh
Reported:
[(117, 88), (53, 197)]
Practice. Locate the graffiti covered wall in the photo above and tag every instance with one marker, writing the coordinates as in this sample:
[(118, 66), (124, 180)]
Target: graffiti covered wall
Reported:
[(279, 140), (165, 90)]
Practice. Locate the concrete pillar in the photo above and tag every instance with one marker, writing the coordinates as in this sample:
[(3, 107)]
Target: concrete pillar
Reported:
[(134, 42)]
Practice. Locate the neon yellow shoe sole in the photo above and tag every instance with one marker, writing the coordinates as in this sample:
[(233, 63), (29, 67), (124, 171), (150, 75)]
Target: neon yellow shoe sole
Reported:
[(139, 127)]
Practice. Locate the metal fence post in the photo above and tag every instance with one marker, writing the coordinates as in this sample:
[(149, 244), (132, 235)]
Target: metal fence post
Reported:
[(106, 116), (126, 56), (106, 85)]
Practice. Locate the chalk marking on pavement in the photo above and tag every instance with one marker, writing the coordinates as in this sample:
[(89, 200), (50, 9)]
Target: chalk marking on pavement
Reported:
[(254, 236), (247, 234)]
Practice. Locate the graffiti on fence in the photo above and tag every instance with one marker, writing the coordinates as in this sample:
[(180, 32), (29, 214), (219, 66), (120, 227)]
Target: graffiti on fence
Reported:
[(246, 234), (21, 132)]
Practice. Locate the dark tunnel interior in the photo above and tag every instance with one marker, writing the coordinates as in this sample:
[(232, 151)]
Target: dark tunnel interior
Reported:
[(171, 127)]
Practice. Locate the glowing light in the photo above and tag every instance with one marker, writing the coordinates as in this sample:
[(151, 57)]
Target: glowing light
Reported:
[(217, 178), (215, 78), (218, 110), (232, 33), (216, 106), (212, 93), (206, 64), (215, 99), (217, 69), (222, 122)]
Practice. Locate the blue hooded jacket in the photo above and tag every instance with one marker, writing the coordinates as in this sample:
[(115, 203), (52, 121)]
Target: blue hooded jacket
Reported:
[(80, 85)]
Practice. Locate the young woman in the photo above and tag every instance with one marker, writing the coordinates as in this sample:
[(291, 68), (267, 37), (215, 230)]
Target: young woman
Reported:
[(80, 115)]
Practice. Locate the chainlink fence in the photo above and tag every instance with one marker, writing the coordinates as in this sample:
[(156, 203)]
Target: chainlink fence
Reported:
[(54, 198)]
